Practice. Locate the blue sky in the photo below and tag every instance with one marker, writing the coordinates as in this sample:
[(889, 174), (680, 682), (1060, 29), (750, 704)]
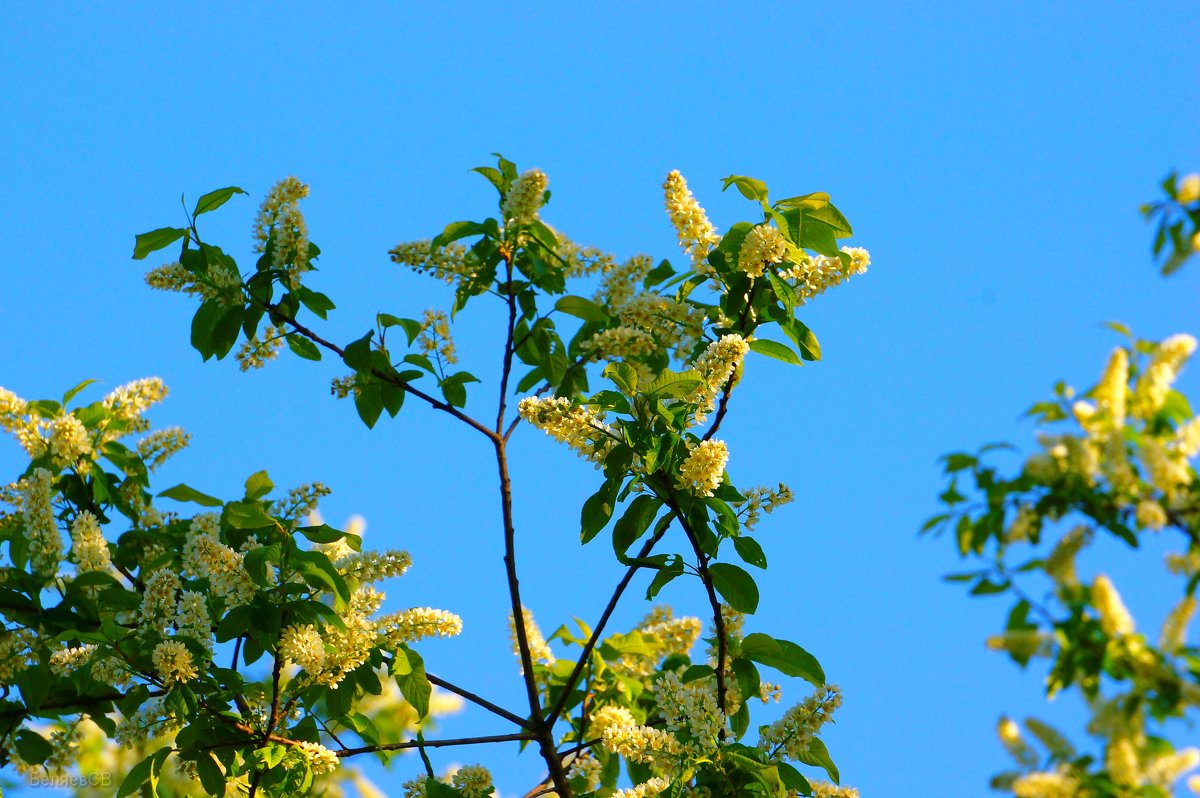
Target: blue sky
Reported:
[(991, 157)]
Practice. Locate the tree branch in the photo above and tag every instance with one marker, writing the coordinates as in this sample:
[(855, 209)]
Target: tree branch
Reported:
[(483, 702), (437, 404), (577, 671)]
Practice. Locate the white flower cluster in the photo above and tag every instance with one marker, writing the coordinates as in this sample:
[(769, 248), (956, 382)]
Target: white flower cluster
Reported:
[(697, 236), (820, 273), (764, 245), (791, 735), (704, 467), (525, 197), (581, 428), (280, 218), (717, 365)]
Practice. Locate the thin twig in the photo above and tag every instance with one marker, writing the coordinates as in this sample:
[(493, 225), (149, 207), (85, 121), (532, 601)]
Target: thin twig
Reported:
[(483, 702)]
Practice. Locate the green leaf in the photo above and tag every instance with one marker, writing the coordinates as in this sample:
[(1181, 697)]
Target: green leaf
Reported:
[(247, 515), (258, 485), (303, 347), (803, 338), (623, 376), (776, 350), (634, 523), (818, 756), (183, 493), (412, 327), (357, 354), (156, 240), (581, 308), (212, 778), (598, 510), (215, 199), (317, 569), (736, 586), (751, 188), (414, 685), (455, 231), (750, 552), (146, 770), (33, 747), (368, 401), (665, 576), (71, 394), (784, 656), (315, 301), (674, 385)]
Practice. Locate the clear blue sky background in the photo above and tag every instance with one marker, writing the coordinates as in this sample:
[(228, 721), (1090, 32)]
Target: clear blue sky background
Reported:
[(991, 156)]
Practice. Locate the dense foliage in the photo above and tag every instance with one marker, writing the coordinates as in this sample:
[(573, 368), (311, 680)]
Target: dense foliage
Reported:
[(242, 645)]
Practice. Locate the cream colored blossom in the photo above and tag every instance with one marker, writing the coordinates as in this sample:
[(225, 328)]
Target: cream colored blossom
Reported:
[(41, 527), (823, 789), (819, 273), (1048, 784), (69, 440), (621, 343), (1060, 564), (302, 645), (159, 601), (474, 781), (1165, 470), (1154, 384), (320, 759), (586, 767), (161, 444), (644, 744), (128, 402), (692, 709), (417, 623), (1163, 771), (204, 556), (1151, 515), (447, 263), (280, 218), (581, 428), (609, 716), (1114, 617), (1112, 390), (525, 197), (646, 789), (702, 470), (1023, 643), (174, 663), (89, 550), (1187, 190), (764, 245), (372, 566), (192, 618), (65, 661), (1121, 761), (16, 653), (350, 647), (1174, 629), (696, 233), (539, 649), (256, 351), (720, 362), (790, 735)]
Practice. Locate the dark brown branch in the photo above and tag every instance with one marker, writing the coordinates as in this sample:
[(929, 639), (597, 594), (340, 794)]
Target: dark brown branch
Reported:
[(483, 702), (577, 671), (492, 738), (437, 404), (84, 702), (543, 729), (713, 599)]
